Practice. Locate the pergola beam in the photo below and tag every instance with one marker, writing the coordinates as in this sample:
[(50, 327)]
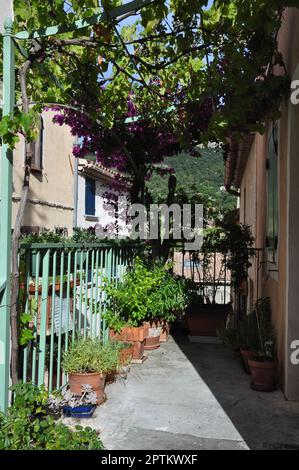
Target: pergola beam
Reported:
[(119, 12)]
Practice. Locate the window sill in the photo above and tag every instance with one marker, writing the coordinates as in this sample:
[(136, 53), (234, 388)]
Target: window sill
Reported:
[(92, 218), (35, 169)]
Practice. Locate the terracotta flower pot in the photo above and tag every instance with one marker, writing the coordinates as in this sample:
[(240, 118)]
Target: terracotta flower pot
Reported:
[(125, 355), (246, 355), (152, 341), (138, 350), (111, 377), (207, 320), (134, 335), (130, 334), (94, 379), (263, 375), (165, 329), (164, 336)]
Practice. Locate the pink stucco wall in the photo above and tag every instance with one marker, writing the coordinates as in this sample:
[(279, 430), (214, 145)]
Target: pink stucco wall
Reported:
[(253, 209)]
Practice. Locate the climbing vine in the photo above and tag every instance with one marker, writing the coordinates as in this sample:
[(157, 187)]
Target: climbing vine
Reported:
[(192, 70)]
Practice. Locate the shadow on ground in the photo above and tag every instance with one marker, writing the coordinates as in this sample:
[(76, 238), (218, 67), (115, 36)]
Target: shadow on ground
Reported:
[(264, 420)]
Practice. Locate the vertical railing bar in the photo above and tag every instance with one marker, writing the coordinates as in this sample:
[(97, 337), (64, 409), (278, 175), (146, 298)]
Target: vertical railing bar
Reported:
[(86, 294), (51, 368), (60, 320), (27, 310), (116, 263), (68, 296), (91, 303), (38, 305), (68, 293), (101, 307), (74, 295), (80, 292), (110, 277), (96, 296), (43, 320)]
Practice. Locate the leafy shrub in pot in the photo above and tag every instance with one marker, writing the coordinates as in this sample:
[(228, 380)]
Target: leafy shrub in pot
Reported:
[(148, 293), (87, 361), (264, 364)]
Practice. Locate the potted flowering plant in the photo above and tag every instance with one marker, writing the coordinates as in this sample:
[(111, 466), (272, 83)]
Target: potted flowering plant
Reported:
[(72, 405)]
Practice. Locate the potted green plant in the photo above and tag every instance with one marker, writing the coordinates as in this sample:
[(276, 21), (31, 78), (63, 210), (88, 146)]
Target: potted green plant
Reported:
[(142, 305), (111, 352), (229, 246), (127, 307), (87, 362), (165, 301), (264, 364), (249, 339)]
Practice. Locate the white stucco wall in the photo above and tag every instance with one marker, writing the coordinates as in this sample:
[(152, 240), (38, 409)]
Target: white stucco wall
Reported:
[(102, 216)]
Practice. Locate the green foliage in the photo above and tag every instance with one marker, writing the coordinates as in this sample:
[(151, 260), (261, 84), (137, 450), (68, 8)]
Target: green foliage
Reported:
[(230, 337), (21, 123), (248, 331), (148, 292), (266, 349), (27, 426), (27, 333), (254, 332), (236, 241), (87, 355), (45, 236), (82, 235), (232, 44), (199, 180)]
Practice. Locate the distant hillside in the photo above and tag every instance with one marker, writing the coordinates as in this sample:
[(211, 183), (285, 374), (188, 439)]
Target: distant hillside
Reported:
[(196, 175)]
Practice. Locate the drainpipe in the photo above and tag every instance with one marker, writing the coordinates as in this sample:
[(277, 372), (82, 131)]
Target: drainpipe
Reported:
[(75, 215)]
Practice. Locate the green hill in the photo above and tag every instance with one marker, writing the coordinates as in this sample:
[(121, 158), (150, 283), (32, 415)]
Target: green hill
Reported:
[(198, 179)]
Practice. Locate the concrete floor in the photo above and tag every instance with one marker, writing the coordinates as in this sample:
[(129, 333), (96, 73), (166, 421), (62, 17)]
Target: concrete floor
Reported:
[(191, 396), (164, 404), (265, 420)]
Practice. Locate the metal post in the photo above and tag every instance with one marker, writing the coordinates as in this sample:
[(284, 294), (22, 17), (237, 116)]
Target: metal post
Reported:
[(5, 220)]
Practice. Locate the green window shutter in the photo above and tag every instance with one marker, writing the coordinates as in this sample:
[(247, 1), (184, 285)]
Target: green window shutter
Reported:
[(272, 186)]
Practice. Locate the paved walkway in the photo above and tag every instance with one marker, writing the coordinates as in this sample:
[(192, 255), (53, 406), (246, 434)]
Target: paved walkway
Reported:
[(265, 420), (164, 404)]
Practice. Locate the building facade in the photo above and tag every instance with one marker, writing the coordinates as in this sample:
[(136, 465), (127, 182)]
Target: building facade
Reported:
[(265, 169), (51, 195), (94, 182)]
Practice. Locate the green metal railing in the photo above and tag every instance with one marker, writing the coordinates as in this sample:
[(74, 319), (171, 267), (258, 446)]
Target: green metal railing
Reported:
[(10, 40), (208, 273), (62, 290)]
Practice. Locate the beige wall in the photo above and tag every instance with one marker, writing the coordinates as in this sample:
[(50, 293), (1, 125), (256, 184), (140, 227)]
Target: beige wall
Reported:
[(51, 191), (281, 286), (6, 11)]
